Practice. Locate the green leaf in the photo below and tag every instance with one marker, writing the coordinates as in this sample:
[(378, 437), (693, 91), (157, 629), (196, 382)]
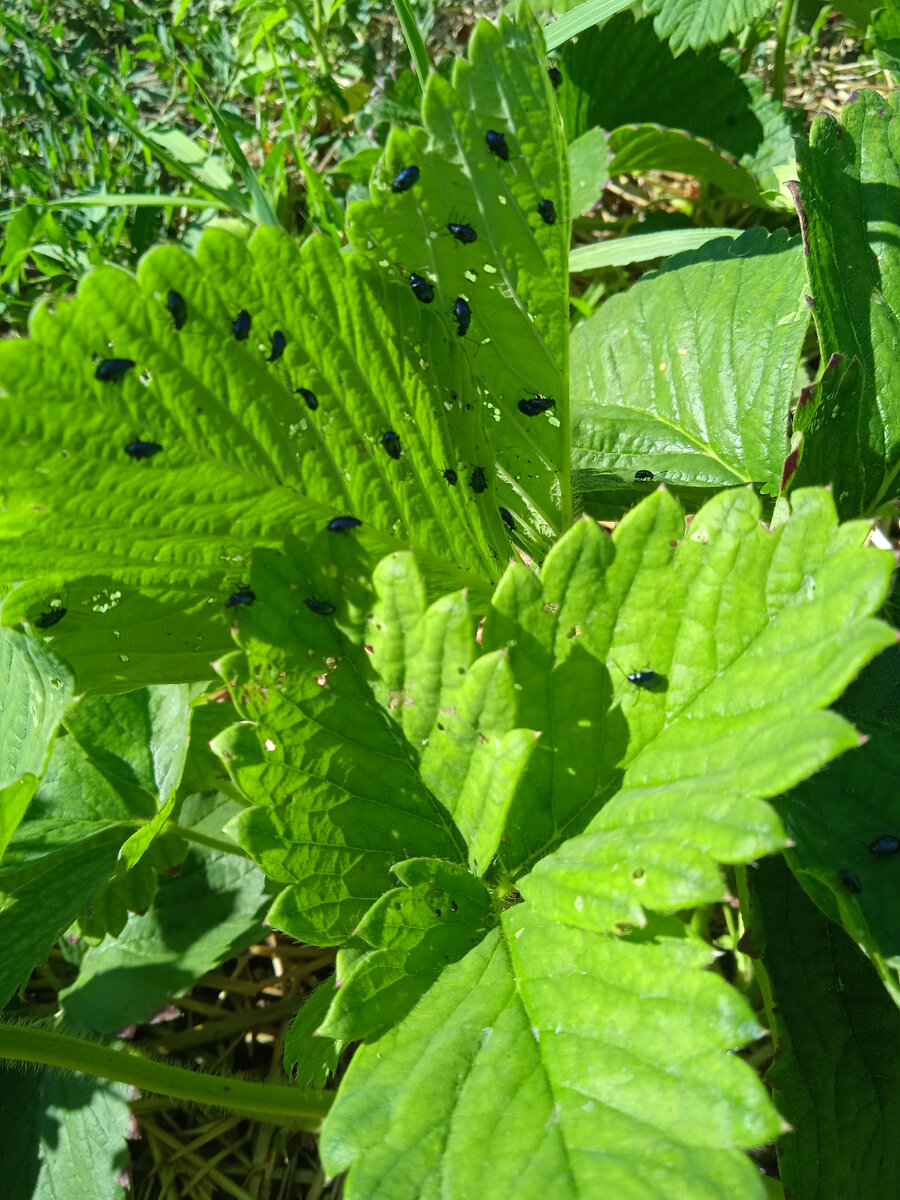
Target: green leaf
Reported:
[(696, 23), (63, 1135), (514, 276), (328, 821), (656, 386), (759, 630), (581, 17), (58, 859), (588, 158), (313, 1058), (199, 917), (38, 689), (457, 712), (834, 818), (848, 173), (603, 1056), (149, 550), (140, 738), (414, 42), (411, 934), (696, 91), (642, 247), (836, 1073), (636, 149)]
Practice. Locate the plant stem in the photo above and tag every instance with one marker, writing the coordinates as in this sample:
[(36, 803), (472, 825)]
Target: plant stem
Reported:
[(223, 845), (784, 25), (290, 1107)]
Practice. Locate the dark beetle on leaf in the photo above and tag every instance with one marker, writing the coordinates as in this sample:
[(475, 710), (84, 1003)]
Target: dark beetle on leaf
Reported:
[(141, 450), (177, 307), (547, 212), (342, 524), (324, 608), (48, 619), (111, 370), (496, 143), (478, 481), (405, 179), (312, 400), (241, 326), (535, 405), (242, 596), (463, 315), (279, 341), (391, 443), (463, 233), (887, 844), (422, 288), (451, 476)]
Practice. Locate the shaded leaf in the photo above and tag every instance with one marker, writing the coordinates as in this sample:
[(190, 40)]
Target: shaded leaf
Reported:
[(836, 1073), (313, 1058), (200, 916), (63, 1135), (849, 176)]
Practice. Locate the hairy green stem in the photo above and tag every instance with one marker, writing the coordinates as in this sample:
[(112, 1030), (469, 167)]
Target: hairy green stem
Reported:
[(223, 845), (784, 25), (292, 1108)]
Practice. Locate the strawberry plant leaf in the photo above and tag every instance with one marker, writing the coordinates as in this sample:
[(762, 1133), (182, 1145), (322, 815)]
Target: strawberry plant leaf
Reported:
[(836, 1073), (848, 171), (655, 386), (846, 856), (756, 627), (199, 917), (511, 1047), (249, 445), (62, 853), (696, 23), (139, 739), (39, 688), (508, 258), (329, 826), (314, 1059), (636, 149), (63, 1135), (411, 934), (696, 90)]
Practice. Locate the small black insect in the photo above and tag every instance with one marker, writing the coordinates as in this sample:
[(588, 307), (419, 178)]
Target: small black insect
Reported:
[(643, 679), (478, 481), (496, 143), (111, 370), (323, 607), (141, 450), (405, 179), (312, 400), (177, 307), (422, 288), (643, 476), (451, 476), (508, 518), (48, 619), (535, 405), (851, 882), (463, 233), (391, 442), (242, 596), (241, 326), (556, 76), (547, 212), (342, 524), (463, 315), (888, 843), (279, 341)]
